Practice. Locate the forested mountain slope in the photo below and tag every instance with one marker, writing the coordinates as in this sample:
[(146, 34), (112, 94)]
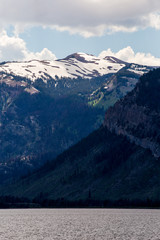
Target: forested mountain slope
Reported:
[(109, 163)]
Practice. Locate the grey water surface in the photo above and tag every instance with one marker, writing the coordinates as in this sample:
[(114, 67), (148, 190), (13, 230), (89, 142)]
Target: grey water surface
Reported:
[(79, 224)]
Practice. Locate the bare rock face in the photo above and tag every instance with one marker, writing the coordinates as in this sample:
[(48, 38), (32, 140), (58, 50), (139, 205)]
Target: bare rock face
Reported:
[(137, 116)]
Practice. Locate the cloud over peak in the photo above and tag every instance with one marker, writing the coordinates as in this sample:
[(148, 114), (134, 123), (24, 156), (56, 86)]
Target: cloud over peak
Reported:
[(14, 49), (127, 54)]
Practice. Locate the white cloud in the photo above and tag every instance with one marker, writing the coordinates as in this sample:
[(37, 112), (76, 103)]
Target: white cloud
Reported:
[(86, 17), (14, 48), (45, 54), (127, 54), (154, 21), (85, 32)]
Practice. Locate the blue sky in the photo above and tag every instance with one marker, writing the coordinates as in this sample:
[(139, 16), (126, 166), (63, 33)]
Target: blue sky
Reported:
[(64, 43), (51, 29)]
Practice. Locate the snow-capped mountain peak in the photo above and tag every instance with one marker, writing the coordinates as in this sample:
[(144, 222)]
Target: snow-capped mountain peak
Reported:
[(112, 59), (74, 66)]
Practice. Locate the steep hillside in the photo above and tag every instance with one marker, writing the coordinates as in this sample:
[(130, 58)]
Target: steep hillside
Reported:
[(137, 116), (104, 165), (109, 163), (115, 88), (35, 128)]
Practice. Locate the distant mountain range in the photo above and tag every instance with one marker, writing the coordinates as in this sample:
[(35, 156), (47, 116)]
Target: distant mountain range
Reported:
[(47, 106), (120, 160)]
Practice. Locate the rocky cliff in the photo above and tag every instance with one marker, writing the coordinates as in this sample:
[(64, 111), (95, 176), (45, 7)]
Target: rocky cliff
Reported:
[(137, 116)]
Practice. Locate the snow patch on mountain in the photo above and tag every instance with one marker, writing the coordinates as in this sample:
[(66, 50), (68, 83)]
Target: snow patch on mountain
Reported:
[(140, 70), (74, 66), (31, 90)]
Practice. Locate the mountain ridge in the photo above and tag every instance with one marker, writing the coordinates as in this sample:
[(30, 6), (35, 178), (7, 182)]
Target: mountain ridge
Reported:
[(73, 66)]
